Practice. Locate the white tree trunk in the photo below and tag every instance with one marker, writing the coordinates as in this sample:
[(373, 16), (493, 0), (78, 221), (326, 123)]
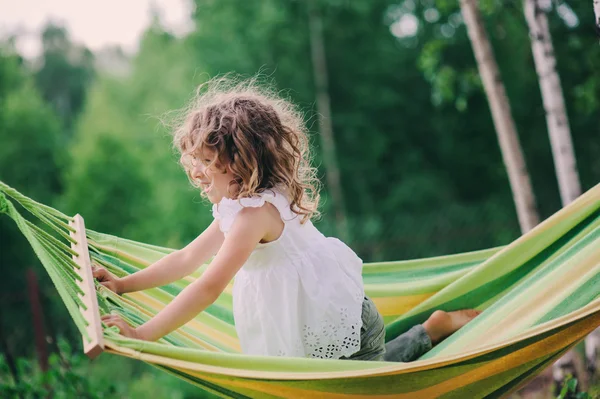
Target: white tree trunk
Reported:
[(560, 136), (553, 99), (503, 121), (319, 62), (597, 13)]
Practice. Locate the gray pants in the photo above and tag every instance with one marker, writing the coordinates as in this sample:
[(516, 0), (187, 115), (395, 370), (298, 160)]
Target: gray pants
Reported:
[(404, 348)]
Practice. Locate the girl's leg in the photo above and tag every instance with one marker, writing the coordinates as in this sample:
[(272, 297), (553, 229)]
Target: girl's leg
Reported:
[(421, 338), (372, 334), (408, 346)]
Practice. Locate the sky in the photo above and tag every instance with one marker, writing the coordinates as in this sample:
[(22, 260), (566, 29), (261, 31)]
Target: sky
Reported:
[(95, 24), (98, 24)]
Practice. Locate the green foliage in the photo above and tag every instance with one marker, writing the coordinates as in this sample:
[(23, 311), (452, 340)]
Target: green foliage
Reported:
[(65, 74), (62, 380), (29, 133), (594, 391), (30, 158), (121, 146), (421, 170), (569, 390), (120, 202), (72, 375)]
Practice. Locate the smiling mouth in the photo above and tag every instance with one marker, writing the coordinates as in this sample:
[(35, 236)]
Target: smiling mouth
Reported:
[(206, 186)]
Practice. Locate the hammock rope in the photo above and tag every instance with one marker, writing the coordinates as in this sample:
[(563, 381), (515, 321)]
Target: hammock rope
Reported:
[(540, 295)]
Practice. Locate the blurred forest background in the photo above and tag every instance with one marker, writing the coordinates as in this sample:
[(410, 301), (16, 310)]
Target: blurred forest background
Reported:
[(420, 165)]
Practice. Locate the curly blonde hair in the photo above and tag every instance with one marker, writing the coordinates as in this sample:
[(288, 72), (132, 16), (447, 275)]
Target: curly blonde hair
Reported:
[(258, 134)]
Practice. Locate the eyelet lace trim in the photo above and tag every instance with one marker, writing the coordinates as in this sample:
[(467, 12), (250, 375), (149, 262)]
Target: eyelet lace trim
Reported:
[(328, 341), (332, 340)]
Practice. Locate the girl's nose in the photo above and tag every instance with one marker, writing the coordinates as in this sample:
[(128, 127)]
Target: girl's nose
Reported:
[(199, 170)]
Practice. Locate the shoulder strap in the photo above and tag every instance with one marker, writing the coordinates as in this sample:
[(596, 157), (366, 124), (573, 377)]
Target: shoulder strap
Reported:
[(226, 210)]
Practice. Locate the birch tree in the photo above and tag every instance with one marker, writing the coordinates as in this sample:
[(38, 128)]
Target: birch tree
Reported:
[(597, 14), (319, 63), (510, 146), (558, 125), (553, 99)]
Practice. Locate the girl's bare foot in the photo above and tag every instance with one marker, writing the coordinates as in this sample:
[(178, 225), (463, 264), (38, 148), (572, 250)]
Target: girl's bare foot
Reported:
[(441, 324)]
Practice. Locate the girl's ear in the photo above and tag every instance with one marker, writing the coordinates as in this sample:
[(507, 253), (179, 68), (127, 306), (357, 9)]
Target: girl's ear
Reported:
[(232, 188), (227, 168)]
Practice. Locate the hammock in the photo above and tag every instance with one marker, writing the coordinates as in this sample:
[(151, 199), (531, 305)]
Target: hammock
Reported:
[(540, 296)]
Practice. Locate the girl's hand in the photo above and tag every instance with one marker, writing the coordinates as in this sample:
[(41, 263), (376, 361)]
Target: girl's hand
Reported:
[(247, 231), (124, 328), (108, 280)]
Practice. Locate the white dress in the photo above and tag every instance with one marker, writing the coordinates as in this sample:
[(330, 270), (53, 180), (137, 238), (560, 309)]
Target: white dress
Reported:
[(300, 295)]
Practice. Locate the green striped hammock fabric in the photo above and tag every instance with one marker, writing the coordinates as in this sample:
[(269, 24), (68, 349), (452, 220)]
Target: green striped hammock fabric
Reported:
[(540, 295)]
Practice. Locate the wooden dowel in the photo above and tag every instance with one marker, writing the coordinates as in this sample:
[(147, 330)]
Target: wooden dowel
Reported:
[(91, 315)]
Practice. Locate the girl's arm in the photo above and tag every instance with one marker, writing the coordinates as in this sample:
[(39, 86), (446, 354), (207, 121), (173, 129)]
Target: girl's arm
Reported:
[(170, 268), (249, 228)]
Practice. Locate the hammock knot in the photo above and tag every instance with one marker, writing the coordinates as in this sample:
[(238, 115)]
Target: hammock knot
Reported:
[(3, 203)]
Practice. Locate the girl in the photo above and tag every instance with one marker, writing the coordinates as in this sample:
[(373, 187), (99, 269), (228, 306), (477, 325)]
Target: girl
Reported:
[(296, 292)]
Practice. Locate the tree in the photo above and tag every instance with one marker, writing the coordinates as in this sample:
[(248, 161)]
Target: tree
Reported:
[(505, 126), (319, 61), (554, 103), (30, 148), (65, 74), (120, 150), (597, 14), (557, 121)]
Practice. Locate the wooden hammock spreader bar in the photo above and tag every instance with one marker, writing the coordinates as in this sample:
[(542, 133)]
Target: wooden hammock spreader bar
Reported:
[(91, 315)]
